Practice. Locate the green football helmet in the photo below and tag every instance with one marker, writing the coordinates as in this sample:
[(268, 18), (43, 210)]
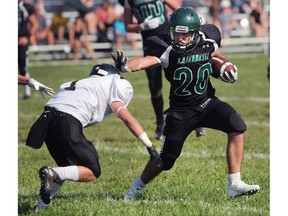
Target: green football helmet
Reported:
[(184, 20)]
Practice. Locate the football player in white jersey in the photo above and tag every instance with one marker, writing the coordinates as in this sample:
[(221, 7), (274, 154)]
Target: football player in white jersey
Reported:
[(79, 104)]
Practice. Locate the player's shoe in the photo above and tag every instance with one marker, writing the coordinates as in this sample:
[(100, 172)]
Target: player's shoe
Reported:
[(40, 205), (159, 130), (134, 193), (200, 132), (240, 188), (47, 177)]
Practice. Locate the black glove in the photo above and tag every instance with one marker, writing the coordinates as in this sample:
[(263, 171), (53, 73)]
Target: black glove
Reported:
[(154, 155), (120, 61)]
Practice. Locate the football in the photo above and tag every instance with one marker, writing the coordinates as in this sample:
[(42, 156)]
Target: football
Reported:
[(221, 65)]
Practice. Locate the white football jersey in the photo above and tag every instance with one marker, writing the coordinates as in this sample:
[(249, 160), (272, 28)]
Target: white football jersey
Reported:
[(89, 100)]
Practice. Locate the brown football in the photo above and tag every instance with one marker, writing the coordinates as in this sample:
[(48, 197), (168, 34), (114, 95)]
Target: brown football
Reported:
[(220, 65)]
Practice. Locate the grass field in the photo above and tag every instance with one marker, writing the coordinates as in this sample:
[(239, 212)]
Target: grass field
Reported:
[(196, 185)]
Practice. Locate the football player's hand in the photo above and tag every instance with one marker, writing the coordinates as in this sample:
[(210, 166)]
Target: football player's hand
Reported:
[(120, 61), (149, 23), (40, 87), (230, 76), (154, 155)]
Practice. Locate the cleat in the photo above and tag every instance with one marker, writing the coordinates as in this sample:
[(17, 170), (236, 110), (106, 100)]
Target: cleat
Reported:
[(200, 132), (159, 130), (40, 205), (134, 193), (47, 176), (241, 188)]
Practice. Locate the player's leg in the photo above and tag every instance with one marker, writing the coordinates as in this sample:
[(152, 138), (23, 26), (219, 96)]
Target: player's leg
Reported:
[(176, 130), (76, 157), (235, 149), (22, 63), (215, 114), (154, 76)]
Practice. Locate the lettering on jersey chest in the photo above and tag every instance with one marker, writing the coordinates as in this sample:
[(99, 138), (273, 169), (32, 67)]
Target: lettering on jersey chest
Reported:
[(193, 58)]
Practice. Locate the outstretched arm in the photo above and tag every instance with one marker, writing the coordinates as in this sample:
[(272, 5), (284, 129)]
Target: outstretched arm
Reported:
[(32, 83), (134, 126), (22, 80), (135, 64)]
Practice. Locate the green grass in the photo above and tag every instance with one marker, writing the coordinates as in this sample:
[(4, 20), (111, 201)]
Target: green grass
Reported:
[(196, 185)]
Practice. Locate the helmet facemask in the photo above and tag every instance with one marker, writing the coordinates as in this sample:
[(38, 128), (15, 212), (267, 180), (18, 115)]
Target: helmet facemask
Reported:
[(192, 37)]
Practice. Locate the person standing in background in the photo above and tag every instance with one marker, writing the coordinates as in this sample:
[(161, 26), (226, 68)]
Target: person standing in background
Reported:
[(121, 35), (27, 26)]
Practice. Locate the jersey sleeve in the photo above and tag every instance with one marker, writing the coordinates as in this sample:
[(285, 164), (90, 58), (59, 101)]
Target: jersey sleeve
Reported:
[(211, 31), (121, 90)]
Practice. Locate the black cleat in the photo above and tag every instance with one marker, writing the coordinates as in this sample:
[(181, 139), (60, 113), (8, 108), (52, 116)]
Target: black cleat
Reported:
[(47, 177), (200, 132)]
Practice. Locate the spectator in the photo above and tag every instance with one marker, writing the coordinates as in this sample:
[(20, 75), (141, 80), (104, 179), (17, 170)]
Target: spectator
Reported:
[(78, 38), (27, 26), (258, 19), (86, 10), (105, 19), (43, 34), (225, 19), (120, 31), (59, 25)]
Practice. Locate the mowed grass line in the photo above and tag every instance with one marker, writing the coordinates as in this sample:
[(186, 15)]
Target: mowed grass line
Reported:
[(196, 185)]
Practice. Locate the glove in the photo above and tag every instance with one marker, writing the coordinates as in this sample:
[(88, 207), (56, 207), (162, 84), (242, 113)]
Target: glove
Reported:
[(40, 87), (230, 76), (149, 23), (154, 155), (121, 61)]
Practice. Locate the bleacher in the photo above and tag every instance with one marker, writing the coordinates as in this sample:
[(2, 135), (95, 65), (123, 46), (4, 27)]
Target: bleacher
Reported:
[(241, 40)]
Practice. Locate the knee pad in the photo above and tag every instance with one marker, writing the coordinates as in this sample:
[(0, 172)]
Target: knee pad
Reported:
[(167, 161), (237, 123)]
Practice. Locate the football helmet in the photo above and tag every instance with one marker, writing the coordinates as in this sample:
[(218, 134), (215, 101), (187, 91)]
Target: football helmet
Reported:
[(184, 20), (103, 70)]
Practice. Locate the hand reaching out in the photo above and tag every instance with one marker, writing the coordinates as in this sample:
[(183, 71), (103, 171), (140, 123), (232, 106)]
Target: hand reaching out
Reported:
[(32, 83), (121, 61)]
